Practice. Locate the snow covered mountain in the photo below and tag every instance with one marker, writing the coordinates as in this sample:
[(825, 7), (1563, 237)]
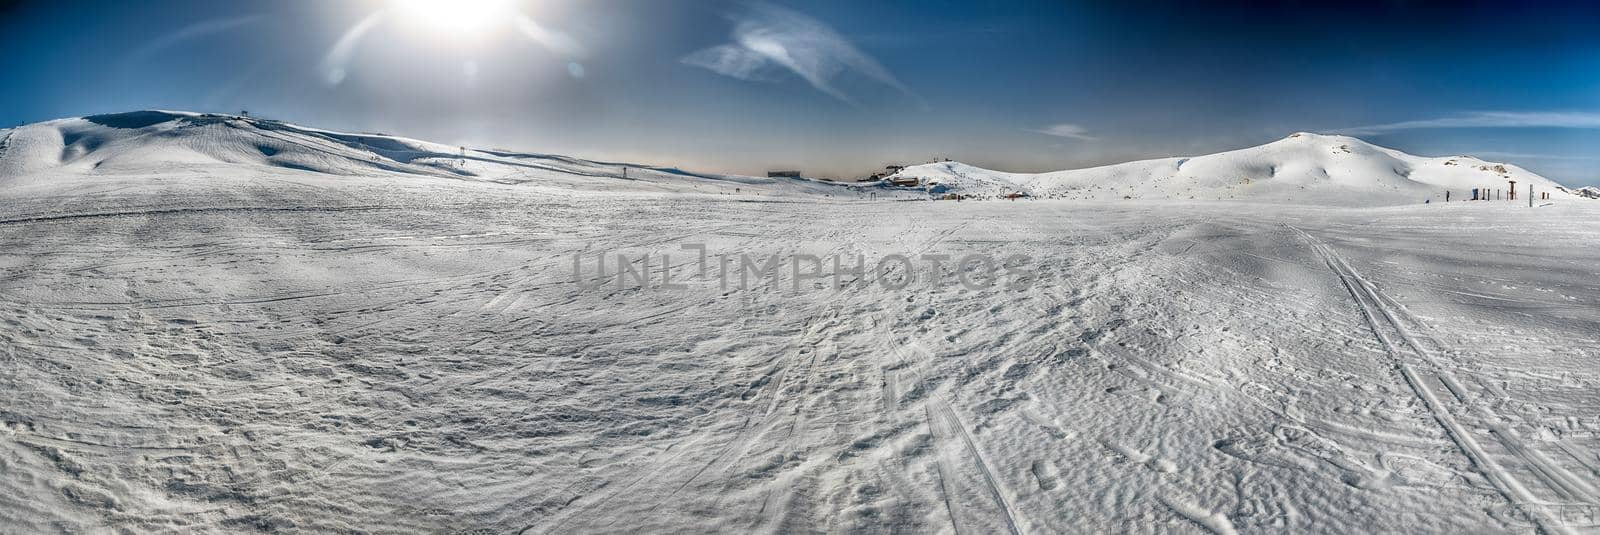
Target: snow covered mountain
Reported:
[(1303, 168), (1300, 169), (184, 144)]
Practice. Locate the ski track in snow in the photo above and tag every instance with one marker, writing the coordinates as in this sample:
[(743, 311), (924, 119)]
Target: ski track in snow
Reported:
[(1389, 323)]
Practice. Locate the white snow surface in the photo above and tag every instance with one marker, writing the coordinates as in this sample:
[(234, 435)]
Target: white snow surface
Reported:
[(212, 324), (1302, 168)]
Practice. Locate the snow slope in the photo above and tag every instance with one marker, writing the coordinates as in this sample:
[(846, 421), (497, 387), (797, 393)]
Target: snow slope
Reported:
[(175, 143), (1300, 169)]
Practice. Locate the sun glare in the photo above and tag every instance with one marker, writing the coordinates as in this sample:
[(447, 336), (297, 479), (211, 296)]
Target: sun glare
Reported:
[(460, 18)]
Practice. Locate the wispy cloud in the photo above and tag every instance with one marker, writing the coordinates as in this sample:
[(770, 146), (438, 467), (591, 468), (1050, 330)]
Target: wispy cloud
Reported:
[(1489, 119), (190, 32), (1066, 130), (768, 40)]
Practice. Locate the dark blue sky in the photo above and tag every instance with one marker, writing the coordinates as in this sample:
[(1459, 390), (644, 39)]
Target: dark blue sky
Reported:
[(838, 87)]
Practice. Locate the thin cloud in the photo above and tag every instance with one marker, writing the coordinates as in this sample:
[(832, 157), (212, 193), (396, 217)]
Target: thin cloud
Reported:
[(1067, 130), (734, 62), (1489, 119), (768, 40), (190, 32)]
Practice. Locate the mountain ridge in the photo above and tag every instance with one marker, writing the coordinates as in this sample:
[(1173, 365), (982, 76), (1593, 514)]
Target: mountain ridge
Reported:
[(1303, 168), (167, 143)]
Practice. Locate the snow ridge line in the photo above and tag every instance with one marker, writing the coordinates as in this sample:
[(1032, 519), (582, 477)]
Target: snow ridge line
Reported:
[(1371, 305)]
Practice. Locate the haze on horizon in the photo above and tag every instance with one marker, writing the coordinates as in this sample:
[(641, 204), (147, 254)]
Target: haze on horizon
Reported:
[(837, 88)]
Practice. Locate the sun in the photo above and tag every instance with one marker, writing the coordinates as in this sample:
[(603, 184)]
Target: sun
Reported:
[(459, 18)]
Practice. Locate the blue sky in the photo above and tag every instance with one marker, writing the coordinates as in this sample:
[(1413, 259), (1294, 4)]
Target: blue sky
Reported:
[(838, 87)]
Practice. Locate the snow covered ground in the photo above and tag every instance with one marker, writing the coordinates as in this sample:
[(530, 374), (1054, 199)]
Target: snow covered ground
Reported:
[(231, 345)]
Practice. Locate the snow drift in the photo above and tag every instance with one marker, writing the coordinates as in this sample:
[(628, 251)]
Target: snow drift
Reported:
[(1303, 168)]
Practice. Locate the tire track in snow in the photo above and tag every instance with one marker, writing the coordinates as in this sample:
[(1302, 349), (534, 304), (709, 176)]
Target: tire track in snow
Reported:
[(1384, 319)]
